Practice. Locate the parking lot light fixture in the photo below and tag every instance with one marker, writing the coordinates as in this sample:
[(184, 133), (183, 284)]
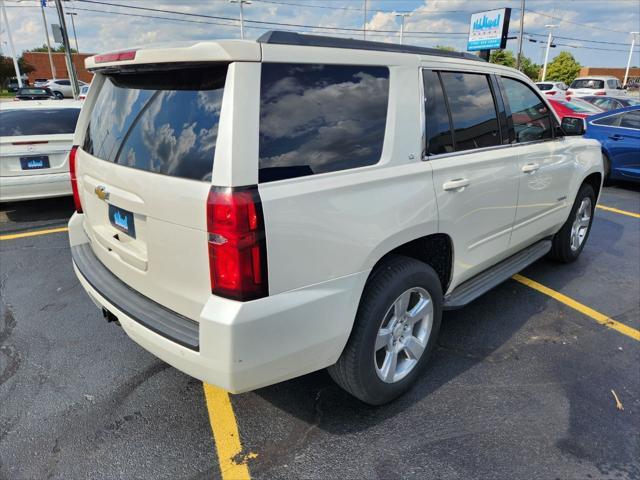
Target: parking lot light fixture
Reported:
[(633, 42), (402, 17), (546, 56), (242, 3)]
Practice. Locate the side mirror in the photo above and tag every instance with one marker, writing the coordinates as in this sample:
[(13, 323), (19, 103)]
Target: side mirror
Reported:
[(573, 126)]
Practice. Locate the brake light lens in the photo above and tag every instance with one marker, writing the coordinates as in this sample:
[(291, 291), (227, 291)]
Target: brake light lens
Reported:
[(600, 92), (73, 159), (115, 57), (237, 243)]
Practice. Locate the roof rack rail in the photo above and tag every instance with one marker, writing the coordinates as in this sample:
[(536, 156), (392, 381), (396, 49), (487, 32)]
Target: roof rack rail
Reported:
[(291, 38)]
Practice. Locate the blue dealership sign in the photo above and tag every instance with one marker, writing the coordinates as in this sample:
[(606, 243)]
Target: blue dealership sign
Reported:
[(488, 30)]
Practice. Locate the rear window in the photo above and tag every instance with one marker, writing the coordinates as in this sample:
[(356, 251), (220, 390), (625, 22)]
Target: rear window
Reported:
[(163, 122), (317, 118), (544, 86), (32, 91), (38, 121), (587, 83)]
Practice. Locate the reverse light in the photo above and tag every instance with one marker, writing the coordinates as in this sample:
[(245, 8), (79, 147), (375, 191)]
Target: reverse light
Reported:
[(73, 158), (115, 57), (237, 244)]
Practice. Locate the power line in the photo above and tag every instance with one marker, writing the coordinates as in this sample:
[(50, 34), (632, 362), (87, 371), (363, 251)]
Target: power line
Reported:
[(562, 20)]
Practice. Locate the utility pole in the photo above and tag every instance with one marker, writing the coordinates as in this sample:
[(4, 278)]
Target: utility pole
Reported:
[(241, 2), (13, 50), (633, 42), (43, 3), (402, 17), (546, 56), (73, 25), (518, 59), (73, 77), (364, 21)]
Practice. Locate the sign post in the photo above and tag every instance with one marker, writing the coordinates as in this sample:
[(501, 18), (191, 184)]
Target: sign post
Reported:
[(488, 31)]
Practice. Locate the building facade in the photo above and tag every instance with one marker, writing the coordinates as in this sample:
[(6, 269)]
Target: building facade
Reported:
[(40, 61)]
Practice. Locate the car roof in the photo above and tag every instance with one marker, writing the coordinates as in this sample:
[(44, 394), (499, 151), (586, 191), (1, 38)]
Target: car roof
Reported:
[(597, 77), (40, 104), (613, 112)]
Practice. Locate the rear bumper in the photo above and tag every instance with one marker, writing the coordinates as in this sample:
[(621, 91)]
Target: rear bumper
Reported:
[(29, 187), (241, 346)]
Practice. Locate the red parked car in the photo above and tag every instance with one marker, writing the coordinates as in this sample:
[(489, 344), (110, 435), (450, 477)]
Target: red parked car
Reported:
[(573, 108)]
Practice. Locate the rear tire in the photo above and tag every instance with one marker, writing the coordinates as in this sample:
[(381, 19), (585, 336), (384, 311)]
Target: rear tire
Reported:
[(572, 237), (398, 318), (58, 95)]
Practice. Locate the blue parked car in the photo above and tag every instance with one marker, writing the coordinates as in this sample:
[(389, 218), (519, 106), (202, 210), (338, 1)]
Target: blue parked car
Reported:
[(619, 133)]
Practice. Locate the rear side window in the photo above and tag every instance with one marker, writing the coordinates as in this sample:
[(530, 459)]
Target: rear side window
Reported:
[(631, 120), (610, 121), (587, 83), (38, 121), (163, 122), (317, 118), (473, 111), (531, 117), (439, 139)]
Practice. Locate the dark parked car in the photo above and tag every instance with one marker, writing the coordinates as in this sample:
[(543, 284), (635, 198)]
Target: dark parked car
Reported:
[(12, 84), (611, 103), (33, 93), (618, 132)]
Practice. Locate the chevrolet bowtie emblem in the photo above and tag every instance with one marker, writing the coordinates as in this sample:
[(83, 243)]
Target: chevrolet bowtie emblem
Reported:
[(101, 192)]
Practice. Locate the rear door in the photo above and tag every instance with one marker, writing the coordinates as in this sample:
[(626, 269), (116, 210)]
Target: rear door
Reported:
[(36, 141), (624, 144), (144, 173), (474, 172)]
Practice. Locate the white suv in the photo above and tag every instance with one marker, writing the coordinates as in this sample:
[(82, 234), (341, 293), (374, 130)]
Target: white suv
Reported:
[(251, 211), (605, 85)]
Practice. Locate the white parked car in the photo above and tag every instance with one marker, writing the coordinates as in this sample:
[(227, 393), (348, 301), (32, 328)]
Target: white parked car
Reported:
[(35, 139), (553, 89), (251, 211), (61, 87), (596, 85)]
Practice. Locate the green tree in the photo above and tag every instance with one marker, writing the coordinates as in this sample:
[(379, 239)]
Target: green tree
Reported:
[(43, 48), (563, 68), (530, 69), (502, 57), (7, 71), (446, 48)]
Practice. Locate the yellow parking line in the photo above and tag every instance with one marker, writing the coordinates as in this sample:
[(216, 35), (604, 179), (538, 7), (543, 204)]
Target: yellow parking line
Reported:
[(590, 312), (34, 233), (617, 210), (226, 435)]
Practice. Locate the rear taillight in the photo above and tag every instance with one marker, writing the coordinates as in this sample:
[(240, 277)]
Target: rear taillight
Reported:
[(115, 57), (73, 158), (237, 244), (552, 92), (600, 92)]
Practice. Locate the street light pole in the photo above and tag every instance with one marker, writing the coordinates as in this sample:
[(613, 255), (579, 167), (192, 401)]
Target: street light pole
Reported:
[(242, 3), (73, 25), (546, 56), (364, 21), (73, 77), (13, 50), (518, 59), (402, 17), (46, 34), (633, 42)]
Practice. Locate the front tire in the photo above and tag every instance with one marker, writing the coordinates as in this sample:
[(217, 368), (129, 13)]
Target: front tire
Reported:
[(572, 237), (58, 95), (395, 330)]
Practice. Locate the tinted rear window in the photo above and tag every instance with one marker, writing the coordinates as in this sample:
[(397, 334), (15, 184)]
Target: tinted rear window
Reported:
[(38, 121), (587, 83), (473, 111), (164, 122), (544, 86), (320, 118)]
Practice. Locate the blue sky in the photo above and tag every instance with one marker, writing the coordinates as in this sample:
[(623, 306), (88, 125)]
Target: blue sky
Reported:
[(582, 23)]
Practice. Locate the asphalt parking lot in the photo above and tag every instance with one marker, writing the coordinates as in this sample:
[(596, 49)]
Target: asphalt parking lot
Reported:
[(520, 385)]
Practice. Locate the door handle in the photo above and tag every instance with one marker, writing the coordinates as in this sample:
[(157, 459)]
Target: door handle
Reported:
[(530, 167), (456, 184), (615, 137)]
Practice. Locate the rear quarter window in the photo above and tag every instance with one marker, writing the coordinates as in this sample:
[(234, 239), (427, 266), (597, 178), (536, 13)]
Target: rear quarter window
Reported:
[(317, 118), (37, 121)]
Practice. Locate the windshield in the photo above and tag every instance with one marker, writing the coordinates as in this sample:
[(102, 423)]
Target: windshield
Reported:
[(38, 121), (587, 83), (163, 122)]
